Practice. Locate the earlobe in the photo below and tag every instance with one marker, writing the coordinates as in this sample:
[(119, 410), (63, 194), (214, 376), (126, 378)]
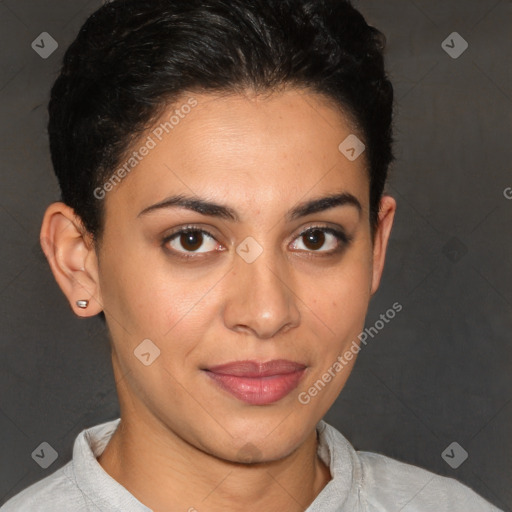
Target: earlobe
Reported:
[(386, 216), (70, 252)]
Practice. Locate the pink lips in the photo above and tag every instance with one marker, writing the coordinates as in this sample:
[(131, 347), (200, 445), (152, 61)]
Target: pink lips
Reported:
[(258, 383)]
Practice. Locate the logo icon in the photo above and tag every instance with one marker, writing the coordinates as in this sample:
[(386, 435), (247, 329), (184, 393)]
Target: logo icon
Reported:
[(454, 45), (249, 250), (44, 455), (146, 352), (44, 45), (455, 250), (352, 147), (454, 455)]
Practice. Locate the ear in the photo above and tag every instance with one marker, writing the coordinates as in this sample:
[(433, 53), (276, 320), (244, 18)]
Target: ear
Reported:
[(70, 251), (386, 216)]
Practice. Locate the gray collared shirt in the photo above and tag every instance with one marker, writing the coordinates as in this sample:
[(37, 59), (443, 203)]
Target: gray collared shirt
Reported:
[(361, 482)]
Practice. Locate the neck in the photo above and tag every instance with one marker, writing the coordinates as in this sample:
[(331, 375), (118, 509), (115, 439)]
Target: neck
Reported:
[(163, 470)]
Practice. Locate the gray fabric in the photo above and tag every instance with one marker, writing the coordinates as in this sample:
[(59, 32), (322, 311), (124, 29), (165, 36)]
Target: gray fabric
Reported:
[(361, 482)]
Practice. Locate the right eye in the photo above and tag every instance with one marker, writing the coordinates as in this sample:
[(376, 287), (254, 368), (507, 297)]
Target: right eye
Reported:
[(191, 241)]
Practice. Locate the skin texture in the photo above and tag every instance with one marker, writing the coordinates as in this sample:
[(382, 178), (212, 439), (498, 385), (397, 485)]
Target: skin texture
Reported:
[(183, 442)]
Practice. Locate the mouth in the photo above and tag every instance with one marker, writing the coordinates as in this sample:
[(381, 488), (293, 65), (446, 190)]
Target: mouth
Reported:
[(258, 383)]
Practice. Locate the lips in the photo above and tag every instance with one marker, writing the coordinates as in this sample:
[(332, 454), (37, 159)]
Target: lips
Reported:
[(258, 383)]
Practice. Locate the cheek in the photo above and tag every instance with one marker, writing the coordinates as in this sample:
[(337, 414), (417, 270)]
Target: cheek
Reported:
[(146, 303), (338, 311), (340, 297), (147, 297), (337, 316)]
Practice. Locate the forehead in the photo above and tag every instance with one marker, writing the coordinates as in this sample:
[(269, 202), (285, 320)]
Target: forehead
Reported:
[(255, 149)]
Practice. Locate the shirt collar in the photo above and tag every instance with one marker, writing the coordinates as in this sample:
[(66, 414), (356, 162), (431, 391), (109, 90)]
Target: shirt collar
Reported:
[(98, 487), (93, 481), (342, 491)]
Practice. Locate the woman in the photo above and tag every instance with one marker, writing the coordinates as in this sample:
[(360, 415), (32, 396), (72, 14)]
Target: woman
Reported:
[(222, 168)]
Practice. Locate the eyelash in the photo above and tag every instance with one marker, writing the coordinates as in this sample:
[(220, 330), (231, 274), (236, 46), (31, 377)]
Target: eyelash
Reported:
[(343, 239)]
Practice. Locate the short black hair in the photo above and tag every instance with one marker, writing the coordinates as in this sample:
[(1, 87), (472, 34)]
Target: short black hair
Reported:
[(134, 58)]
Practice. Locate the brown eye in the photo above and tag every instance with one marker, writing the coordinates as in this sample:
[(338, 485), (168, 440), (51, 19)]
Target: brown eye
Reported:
[(191, 241), (321, 240), (314, 240)]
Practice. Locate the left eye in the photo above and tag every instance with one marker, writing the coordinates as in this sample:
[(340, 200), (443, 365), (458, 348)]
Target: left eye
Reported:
[(192, 241), (319, 240)]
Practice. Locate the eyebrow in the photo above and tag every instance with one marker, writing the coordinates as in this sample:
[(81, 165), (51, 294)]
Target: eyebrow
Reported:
[(205, 207)]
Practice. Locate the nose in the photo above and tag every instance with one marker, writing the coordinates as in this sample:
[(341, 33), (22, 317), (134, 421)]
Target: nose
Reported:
[(260, 299)]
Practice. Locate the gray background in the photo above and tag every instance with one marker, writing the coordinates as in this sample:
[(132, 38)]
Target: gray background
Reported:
[(439, 372)]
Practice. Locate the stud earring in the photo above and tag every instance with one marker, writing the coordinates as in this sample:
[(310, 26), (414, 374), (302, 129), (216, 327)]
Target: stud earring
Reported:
[(82, 303)]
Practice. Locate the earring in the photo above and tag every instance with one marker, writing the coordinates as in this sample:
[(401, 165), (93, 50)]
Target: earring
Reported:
[(82, 303)]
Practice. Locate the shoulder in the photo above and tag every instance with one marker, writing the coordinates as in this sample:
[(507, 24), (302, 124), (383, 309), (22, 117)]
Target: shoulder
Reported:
[(373, 482), (388, 484), (49, 494)]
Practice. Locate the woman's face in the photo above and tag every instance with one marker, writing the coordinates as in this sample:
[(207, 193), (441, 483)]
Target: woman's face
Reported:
[(258, 278)]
